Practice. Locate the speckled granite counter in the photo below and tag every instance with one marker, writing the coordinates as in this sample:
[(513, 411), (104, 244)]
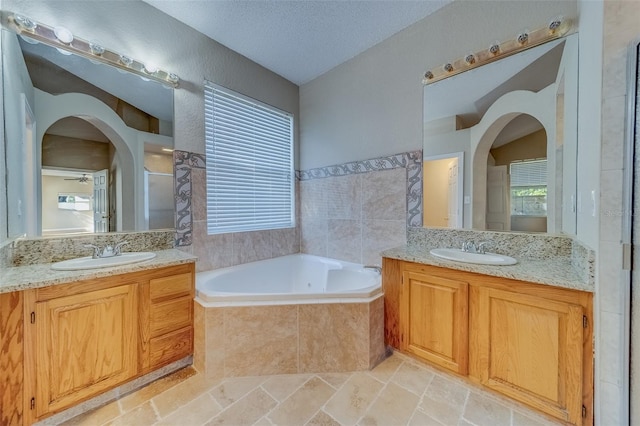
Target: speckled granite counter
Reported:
[(41, 275), (556, 271)]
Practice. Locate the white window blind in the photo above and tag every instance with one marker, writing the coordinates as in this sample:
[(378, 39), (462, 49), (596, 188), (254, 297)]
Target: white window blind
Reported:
[(529, 173), (249, 150)]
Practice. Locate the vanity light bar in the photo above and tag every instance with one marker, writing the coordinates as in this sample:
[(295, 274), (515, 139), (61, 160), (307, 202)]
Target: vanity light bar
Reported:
[(63, 39), (557, 28)]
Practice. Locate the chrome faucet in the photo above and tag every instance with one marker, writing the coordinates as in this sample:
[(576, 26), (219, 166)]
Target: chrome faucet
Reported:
[(469, 246), (107, 251), (97, 251)]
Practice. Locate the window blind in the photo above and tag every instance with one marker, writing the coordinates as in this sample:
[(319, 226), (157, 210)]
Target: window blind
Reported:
[(528, 173), (249, 151)]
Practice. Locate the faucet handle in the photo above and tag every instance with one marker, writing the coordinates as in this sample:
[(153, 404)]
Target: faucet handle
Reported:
[(97, 251), (481, 246), (117, 250)]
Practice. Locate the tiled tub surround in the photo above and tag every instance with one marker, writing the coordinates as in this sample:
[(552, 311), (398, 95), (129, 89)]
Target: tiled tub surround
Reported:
[(355, 210), (545, 259), (288, 339), (218, 251), (30, 251)]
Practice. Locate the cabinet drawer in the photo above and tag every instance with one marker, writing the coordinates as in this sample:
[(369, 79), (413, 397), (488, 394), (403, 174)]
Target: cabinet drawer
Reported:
[(171, 287), (171, 347), (171, 315)]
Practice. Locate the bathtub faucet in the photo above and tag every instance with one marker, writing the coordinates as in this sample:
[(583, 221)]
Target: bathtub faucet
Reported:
[(375, 268)]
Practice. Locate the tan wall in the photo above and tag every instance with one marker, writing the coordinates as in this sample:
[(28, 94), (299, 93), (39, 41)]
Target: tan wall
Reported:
[(528, 147), (72, 153), (158, 163), (436, 192)]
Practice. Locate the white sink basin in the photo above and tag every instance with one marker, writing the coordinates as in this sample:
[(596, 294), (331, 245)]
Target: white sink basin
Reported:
[(102, 262), (478, 258)]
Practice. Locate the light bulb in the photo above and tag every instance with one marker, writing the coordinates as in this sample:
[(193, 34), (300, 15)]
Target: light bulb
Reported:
[(126, 61), (150, 68), (63, 34)]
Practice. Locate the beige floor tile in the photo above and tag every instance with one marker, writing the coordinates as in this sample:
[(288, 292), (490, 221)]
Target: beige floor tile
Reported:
[(153, 389), (235, 388), (280, 387), (444, 400), (247, 410), (322, 419), (195, 413), (302, 404), (519, 419), (181, 394), (263, 422), (463, 422), (97, 416), (386, 369), (335, 379), (421, 419), (353, 399), (413, 378), (482, 411), (394, 406), (141, 415)]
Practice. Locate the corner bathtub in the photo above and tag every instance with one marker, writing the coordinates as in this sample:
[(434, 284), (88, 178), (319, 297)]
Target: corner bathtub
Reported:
[(292, 279), (289, 315)]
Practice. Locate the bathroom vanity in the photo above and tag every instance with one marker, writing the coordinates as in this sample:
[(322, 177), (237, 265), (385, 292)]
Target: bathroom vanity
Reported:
[(69, 336), (526, 340)]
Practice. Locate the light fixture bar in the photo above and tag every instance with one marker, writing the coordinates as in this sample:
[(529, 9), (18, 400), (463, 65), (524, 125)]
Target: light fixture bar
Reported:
[(89, 49), (558, 27)]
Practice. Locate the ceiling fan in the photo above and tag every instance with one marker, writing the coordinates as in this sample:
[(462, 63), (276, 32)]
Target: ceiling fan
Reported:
[(82, 179)]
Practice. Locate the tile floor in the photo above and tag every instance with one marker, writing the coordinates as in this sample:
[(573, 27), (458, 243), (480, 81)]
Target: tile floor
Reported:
[(399, 391)]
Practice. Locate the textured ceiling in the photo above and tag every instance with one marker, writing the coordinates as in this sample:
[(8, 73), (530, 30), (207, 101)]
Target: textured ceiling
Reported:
[(301, 39)]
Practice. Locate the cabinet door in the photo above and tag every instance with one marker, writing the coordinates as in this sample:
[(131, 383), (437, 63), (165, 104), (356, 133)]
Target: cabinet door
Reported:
[(530, 349), (86, 343), (434, 320)]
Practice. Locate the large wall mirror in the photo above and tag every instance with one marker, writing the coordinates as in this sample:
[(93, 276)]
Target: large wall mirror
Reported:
[(505, 132), (88, 147)]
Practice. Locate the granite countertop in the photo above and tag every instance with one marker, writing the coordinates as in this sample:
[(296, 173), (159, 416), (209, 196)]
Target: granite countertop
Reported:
[(41, 275), (557, 271)]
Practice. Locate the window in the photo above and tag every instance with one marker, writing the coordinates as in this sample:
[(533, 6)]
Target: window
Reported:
[(529, 188), (249, 149)]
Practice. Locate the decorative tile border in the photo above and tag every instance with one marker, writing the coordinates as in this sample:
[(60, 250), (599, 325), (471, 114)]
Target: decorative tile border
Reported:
[(183, 163), (411, 161)]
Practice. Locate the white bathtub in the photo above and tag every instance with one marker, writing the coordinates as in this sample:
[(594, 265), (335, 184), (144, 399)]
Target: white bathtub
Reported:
[(292, 279)]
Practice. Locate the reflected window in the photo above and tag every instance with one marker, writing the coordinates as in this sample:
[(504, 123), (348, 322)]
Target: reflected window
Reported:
[(528, 188), (77, 202)]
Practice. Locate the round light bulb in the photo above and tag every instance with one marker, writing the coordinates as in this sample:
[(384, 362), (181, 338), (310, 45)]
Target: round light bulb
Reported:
[(63, 34), (150, 68)]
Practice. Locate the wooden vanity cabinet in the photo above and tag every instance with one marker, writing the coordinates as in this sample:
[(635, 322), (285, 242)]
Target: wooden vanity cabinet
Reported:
[(84, 338), (434, 319), (527, 341), (85, 343)]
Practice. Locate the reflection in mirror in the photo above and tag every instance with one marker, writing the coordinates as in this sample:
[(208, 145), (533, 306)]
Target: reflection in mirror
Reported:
[(75, 127), (509, 117), (445, 174), (517, 177)]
